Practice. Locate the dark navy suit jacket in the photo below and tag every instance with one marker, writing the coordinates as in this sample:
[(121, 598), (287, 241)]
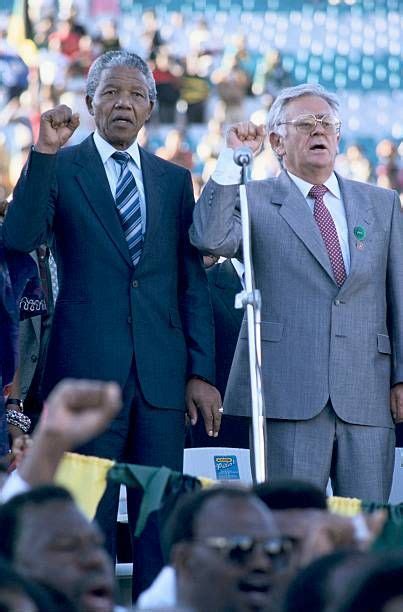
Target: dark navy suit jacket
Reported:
[(224, 284), (107, 312)]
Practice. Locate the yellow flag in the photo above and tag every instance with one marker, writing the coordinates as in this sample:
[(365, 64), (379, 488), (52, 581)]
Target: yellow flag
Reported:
[(85, 478)]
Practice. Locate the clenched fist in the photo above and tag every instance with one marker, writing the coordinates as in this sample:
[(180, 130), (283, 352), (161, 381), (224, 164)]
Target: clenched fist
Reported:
[(246, 134), (56, 127)]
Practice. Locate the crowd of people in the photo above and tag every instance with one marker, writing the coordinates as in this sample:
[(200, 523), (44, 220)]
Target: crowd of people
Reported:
[(203, 84), (110, 272), (272, 548)]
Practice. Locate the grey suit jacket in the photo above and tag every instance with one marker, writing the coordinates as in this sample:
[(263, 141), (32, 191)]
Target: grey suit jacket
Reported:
[(319, 341)]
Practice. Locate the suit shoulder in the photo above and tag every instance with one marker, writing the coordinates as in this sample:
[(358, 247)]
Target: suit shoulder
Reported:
[(267, 183), (370, 189)]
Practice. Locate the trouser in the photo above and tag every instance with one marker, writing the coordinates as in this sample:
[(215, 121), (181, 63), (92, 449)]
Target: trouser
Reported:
[(144, 435), (358, 459)]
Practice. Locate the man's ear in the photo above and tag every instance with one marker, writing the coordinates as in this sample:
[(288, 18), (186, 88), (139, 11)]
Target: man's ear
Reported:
[(152, 103), (88, 101), (182, 560), (276, 142)]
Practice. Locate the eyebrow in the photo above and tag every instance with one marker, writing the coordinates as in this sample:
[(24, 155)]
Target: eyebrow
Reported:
[(137, 84), (315, 114)]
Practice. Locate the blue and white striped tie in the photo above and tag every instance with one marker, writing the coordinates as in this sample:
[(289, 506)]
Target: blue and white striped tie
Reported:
[(127, 200)]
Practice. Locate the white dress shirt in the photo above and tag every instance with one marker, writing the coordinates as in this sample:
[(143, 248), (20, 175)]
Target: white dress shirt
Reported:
[(14, 485), (112, 169), (334, 203), (228, 173), (161, 593)]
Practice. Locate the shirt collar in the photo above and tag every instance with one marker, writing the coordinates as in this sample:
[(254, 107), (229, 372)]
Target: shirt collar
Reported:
[(332, 184), (105, 149)]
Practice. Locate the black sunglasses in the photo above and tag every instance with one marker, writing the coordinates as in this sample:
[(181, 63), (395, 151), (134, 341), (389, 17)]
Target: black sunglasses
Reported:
[(239, 549)]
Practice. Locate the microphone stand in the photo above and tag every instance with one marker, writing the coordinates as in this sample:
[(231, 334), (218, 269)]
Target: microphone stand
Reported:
[(250, 299)]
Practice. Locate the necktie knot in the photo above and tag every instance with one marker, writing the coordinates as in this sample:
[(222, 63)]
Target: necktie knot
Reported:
[(122, 158), (317, 192)]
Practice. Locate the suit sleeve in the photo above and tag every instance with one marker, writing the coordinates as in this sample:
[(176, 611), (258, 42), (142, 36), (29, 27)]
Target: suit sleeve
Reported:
[(29, 219), (216, 224), (194, 298), (395, 291)]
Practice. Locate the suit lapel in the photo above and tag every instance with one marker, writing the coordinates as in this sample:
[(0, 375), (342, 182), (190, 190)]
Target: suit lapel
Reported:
[(92, 178), (155, 188), (295, 211), (359, 214)]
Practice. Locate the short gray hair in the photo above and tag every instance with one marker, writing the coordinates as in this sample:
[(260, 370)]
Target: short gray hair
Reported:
[(119, 58), (277, 111)]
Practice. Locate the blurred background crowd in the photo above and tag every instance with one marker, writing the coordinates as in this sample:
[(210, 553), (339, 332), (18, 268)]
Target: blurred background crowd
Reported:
[(214, 62)]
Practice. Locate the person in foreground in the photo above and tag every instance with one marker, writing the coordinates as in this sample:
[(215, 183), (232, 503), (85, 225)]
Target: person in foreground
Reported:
[(133, 302), (43, 535), (75, 412), (47, 539), (328, 260), (226, 550)]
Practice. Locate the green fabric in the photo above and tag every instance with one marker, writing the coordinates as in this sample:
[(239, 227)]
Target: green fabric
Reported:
[(395, 512), (152, 480), (391, 535)]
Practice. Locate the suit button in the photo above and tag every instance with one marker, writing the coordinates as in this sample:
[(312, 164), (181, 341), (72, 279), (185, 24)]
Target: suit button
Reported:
[(129, 320), (135, 284), (337, 302), (34, 358)]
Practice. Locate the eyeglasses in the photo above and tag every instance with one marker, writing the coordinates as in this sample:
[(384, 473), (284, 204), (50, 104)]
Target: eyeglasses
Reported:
[(239, 549), (308, 123)]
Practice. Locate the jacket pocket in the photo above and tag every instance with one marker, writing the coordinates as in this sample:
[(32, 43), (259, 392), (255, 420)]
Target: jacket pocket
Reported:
[(383, 342), (270, 331)]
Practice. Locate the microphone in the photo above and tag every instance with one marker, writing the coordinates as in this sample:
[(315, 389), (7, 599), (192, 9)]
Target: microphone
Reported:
[(243, 156)]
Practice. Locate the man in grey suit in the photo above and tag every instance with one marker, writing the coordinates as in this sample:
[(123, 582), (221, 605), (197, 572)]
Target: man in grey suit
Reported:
[(328, 259)]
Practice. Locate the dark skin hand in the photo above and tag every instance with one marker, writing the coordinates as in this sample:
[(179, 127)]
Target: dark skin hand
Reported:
[(396, 402), (203, 396), (56, 127)]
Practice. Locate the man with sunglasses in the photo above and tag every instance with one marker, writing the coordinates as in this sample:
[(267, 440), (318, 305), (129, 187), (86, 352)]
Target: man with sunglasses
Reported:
[(328, 260), (226, 550)]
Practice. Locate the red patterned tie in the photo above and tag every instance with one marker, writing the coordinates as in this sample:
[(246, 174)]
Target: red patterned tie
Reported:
[(329, 233)]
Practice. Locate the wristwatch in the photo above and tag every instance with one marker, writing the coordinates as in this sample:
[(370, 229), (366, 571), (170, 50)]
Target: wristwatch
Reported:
[(13, 401)]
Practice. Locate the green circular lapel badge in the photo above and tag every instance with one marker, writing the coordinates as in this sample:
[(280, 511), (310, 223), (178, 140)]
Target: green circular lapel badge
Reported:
[(359, 232)]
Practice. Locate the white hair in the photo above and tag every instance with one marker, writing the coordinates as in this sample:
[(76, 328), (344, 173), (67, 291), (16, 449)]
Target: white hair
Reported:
[(278, 108)]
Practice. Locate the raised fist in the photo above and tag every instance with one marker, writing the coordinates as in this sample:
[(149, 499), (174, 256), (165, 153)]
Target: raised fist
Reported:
[(56, 127), (246, 134)]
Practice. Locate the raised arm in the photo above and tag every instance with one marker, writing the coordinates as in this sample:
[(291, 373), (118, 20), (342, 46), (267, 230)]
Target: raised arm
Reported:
[(75, 412), (29, 218), (216, 224)]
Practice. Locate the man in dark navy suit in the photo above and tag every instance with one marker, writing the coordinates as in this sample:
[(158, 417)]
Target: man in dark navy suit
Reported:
[(133, 302), (225, 280)]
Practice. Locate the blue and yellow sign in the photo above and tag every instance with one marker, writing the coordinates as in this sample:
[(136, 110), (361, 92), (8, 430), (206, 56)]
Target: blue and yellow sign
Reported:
[(226, 467)]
